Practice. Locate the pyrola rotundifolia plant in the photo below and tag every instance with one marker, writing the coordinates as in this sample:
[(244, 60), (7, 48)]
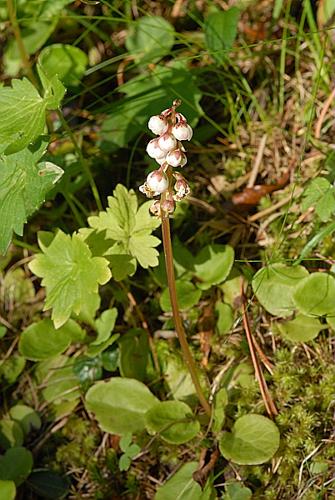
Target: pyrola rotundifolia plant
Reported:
[(170, 185), (167, 149)]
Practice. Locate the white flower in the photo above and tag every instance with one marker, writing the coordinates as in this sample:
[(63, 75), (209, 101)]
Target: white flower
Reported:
[(182, 132), (167, 142), (154, 151), (176, 158), (157, 182), (157, 124), (155, 208)]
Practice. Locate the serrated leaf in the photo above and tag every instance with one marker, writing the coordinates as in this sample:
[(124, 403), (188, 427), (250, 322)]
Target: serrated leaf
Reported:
[(254, 440), (24, 182), (321, 195), (22, 111), (70, 274), (129, 227)]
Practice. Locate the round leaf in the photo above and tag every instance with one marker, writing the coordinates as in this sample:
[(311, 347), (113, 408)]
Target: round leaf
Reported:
[(11, 434), (150, 38), (16, 465), (26, 417), (274, 286), (181, 486), (253, 440), (213, 264), (120, 404), (65, 61), (173, 420), (315, 295), (187, 294), (42, 341), (7, 490), (301, 329), (48, 484)]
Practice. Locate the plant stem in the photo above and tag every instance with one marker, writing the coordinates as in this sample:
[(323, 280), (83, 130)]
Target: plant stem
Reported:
[(83, 161), (187, 355), (22, 50)]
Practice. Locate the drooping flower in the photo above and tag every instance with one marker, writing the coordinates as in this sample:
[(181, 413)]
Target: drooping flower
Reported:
[(158, 124)]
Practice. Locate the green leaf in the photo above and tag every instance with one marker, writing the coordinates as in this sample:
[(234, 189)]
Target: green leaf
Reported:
[(129, 227), (321, 195), (146, 95), (61, 383), (220, 32), (134, 354), (26, 416), (236, 491), (96, 349), (105, 325), (7, 490), (313, 242), (301, 329), (87, 369), (11, 434), (23, 115), (213, 264), (225, 319), (181, 486), (150, 38), (70, 274), (254, 440), (42, 340), (65, 61), (48, 484), (173, 421), (120, 404), (124, 462), (24, 183), (11, 368), (274, 287), (16, 465), (187, 294), (220, 403), (315, 295)]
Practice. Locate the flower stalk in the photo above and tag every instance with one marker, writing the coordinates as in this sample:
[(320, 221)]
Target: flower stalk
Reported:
[(171, 186)]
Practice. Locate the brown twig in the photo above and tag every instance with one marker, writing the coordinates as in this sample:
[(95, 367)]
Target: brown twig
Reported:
[(200, 475), (266, 396)]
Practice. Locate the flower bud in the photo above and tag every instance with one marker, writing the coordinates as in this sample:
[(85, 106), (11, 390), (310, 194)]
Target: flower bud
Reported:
[(182, 132), (181, 187), (154, 151), (155, 208), (168, 206), (157, 182), (167, 142), (157, 124), (176, 158)]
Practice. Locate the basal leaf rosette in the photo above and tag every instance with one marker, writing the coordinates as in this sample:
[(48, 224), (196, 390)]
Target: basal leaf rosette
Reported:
[(70, 274)]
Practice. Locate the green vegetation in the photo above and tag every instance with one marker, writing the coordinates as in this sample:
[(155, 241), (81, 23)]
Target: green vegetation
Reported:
[(181, 347)]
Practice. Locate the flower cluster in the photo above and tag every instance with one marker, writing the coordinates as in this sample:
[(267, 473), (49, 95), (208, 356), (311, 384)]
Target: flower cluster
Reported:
[(167, 149)]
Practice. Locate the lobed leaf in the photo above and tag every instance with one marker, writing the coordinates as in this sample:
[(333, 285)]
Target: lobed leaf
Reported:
[(24, 183), (71, 276)]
